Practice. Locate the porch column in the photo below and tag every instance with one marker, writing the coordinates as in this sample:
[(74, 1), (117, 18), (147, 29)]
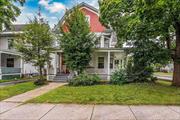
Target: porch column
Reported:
[(0, 68), (108, 66), (21, 66), (60, 62), (55, 64), (47, 72)]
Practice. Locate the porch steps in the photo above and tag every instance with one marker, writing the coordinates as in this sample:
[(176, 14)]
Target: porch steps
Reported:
[(60, 77)]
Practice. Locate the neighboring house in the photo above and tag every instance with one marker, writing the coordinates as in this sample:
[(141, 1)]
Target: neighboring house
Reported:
[(11, 62), (106, 57)]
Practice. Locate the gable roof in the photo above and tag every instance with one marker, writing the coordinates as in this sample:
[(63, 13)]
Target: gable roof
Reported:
[(83, 4)]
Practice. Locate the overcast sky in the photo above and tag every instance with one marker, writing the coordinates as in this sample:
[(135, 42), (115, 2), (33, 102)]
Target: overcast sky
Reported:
[(52, 10)]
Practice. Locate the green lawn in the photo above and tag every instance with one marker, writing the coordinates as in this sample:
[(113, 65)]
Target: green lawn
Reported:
[(9, 91), (26, 78), (146, 93), (163, 74), (9, 80)]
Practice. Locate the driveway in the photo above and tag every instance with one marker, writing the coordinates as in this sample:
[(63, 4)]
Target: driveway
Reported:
[(18, 111)]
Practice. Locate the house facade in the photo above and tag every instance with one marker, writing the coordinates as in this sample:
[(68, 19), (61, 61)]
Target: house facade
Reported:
[(106, 58), (11, 63)]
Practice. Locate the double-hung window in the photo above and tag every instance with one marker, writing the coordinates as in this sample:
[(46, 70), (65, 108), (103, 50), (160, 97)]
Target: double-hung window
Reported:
[(101, 62)]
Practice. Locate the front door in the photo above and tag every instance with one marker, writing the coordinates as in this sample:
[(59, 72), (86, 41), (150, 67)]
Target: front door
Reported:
[(63, 67)]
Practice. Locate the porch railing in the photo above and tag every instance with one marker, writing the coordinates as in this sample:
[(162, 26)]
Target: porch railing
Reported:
[(10, 70)]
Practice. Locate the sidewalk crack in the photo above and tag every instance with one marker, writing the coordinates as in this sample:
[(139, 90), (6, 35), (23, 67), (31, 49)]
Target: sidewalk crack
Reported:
[(132, 113), (92, 112), (173, 110), (47, 112)]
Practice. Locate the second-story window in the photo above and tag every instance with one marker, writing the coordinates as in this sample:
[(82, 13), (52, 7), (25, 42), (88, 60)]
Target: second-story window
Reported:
[(10, 43), (106, 41), (88, 18)]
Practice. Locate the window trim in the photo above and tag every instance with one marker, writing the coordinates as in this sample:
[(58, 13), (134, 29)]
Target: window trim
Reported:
[(88, 18)]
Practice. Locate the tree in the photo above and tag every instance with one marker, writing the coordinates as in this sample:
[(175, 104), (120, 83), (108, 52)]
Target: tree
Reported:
[(76, 41), (160, 18), (35, 44), (8, 12)]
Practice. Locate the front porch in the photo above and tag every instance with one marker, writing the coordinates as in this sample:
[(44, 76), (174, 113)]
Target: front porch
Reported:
[(11, 65), (104, 62)]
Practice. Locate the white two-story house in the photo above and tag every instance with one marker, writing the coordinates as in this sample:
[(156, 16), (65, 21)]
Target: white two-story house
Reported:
[(11, 63), (106, 57)]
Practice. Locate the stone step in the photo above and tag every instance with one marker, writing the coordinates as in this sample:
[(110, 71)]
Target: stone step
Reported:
[(61, 77), (63, 81)]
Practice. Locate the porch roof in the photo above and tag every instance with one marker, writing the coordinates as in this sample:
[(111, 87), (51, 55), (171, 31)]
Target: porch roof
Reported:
[(102, 50), (10, 34), (10, 52)]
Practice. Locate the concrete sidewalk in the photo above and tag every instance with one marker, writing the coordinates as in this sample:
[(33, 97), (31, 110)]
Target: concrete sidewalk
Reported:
[(33, 93), (15, 111)]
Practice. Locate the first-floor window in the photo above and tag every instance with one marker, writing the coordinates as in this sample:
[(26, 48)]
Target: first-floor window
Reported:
[(10, 62), (111, 63), (101, 62), (116, 62)]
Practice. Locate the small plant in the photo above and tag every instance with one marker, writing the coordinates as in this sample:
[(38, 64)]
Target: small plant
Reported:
[(84, 80), (119, 77)]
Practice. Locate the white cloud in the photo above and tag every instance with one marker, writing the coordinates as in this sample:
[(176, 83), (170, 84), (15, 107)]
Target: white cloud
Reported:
[(52, 7), (54, 18)]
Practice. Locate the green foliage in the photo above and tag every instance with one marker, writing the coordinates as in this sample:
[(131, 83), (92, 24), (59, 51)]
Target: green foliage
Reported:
[(77, 42), (145, 55), (141, 74), (119, 77), (84, 80), (148, 26), (35, 44), (8, 12)]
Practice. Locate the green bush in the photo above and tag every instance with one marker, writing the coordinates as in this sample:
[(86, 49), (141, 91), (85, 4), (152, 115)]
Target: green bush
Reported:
[(41, 80), (139, 73), (84, 80), (119, 77)]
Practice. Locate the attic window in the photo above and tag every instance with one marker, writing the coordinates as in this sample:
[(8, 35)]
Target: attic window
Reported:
[(88, 18)]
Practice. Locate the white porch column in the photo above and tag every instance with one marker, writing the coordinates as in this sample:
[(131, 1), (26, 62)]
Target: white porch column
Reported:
[(108, 65), (0, 68), (21, 66), (55, 64), (60, 62), (47, 72)]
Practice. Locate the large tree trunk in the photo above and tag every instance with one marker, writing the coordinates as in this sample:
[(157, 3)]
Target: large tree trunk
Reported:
[(176, 75)]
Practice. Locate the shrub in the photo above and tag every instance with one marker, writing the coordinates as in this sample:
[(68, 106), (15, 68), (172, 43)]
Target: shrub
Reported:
[(41, 80), (84, 80), (139, 73), (119, 77)]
